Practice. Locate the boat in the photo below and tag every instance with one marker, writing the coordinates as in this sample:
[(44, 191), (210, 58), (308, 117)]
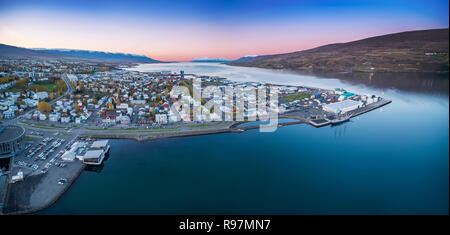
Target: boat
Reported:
[(340, 120)]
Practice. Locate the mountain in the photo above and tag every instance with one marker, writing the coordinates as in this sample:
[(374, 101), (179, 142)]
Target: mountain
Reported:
[(245, 58), (19, 52), (412, 51), (101, 56), (69, 54), (210, 60)]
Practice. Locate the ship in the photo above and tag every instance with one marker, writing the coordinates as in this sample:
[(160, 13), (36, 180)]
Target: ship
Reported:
[(340, 120)]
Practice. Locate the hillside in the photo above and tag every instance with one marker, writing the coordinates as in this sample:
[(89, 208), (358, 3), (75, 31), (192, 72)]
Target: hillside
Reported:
[(413, 51)]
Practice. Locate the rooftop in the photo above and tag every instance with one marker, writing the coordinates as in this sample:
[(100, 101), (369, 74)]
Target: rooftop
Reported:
[(99, 144), (9, 133), (93, 154), (342, 104)]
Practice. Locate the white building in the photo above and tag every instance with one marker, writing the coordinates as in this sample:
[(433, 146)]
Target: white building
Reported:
[(54, 117), (17, 178), (65, 119), (40, 95), (161, 118), (343, 106), (124, 119), (8, 114), (122, 106)]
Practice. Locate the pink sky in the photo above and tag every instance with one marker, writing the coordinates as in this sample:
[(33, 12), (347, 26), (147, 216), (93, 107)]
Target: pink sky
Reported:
[(168, 39)]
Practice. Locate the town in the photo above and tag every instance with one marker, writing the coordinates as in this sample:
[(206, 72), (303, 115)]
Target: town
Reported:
[(57, 117)]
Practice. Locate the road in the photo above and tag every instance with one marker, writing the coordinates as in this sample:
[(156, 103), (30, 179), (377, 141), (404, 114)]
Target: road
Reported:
[(68, 91)]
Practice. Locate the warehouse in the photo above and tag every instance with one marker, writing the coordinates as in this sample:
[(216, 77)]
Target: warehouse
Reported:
[(343, 106)]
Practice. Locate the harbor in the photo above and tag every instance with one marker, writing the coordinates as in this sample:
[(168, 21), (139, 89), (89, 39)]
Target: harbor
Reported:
[(34, 188)]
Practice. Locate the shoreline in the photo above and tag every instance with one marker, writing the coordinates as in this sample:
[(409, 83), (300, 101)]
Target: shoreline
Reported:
[(233, 128)]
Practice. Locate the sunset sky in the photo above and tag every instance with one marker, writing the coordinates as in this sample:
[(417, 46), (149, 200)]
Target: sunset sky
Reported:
[(184, 30)]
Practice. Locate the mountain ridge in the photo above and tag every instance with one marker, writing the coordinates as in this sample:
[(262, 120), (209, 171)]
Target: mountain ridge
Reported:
[(410, 51), (72, 54)]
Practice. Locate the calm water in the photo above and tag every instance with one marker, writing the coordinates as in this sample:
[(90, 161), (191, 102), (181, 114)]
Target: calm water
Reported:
[(392, 160)]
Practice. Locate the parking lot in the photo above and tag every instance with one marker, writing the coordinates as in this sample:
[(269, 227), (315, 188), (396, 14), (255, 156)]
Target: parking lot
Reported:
[(41, 153)]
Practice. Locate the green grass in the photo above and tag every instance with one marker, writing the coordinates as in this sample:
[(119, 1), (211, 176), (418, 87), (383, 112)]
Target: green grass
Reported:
[(134, 130), (298, 96), (32, 138), (217, 124), (65, 134), (49, 86)]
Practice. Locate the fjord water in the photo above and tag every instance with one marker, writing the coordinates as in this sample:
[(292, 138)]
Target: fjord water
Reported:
[(393, 160)]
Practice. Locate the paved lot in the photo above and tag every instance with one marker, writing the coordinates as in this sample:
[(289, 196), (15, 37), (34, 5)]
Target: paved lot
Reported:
[(46, 176)]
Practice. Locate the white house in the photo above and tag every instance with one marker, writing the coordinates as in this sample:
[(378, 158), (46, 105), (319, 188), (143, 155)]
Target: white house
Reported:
[(65, 119), (161, 118), (124, 119), (8, 114), (40, 95), (54, 117)]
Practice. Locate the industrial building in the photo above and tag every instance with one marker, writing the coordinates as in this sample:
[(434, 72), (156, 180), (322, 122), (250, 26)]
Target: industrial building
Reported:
[(342, 107), (97, 153)]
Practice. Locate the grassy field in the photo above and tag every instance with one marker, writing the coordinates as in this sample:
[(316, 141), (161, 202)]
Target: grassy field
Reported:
[(298, 96), (47, 86)]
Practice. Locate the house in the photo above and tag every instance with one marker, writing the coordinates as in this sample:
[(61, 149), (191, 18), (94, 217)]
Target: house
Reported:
[(8, 114), (40, 95), (122, 106), (65, 119), (124, 119), (42, 117), (31, 102), (109, 117), (54, 117), (161, 118)]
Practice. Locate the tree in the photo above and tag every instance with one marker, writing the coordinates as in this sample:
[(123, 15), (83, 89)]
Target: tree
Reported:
[(22, 84), (110, 106), (44, 107)]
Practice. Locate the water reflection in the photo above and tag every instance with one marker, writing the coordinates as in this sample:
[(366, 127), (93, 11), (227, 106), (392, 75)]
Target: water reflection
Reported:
[(355, 81), (413, 82), (340, 130)]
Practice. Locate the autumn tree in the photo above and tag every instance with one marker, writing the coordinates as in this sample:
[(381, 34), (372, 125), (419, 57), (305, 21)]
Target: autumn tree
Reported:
[(76, 107), (44, 107)]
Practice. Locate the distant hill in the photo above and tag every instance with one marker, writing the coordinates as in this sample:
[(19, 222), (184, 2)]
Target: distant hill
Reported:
[(412, 51), (100, 55), (245, 58), (210, 60), (69, 54), (19, 52)]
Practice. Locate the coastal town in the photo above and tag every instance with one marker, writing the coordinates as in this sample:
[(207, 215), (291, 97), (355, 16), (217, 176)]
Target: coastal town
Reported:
[(57, 117)]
